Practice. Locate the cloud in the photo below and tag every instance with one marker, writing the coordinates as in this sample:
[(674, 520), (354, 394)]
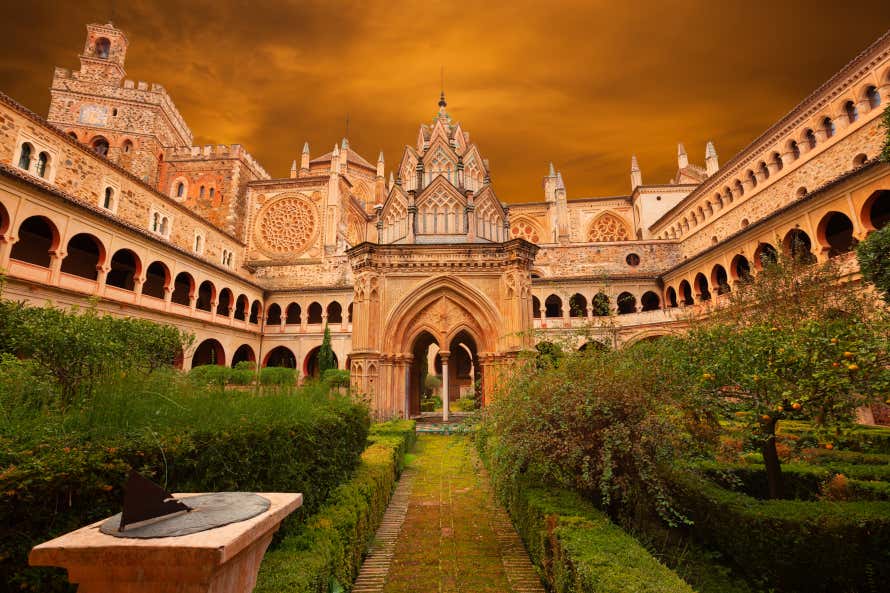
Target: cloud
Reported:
[(582, 84)]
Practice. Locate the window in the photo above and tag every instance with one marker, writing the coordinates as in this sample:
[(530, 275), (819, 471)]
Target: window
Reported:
[(155, 222), (810, 138), (102, 48), (851, 111), (828, 127), (764, 171), (873, 96), (777, 161), (100, 146), (632, 259), (42, 161), (128, 146), (25, 158), (224, 254), (165, 226), (109, 198), (795, 150), (72, 135), (752, 179), (199, 243), (211, 193), (201, 192), (180, 189), (229, 260)]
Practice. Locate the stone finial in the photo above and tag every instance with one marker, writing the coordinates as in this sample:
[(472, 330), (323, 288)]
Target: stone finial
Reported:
[(552, 170), (380, 165), (306, 147), (344, 143), (392, 180), (293, 169), (304, 158), (559, 182), (711, 162), (636, 177), (682, 158)]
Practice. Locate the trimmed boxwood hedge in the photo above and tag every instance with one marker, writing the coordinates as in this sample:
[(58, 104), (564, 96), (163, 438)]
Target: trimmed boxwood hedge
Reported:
[(792, 545), (61, 485), (575, 547), (329, 547)]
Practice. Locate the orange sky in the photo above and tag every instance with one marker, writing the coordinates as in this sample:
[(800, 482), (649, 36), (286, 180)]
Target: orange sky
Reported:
[(584, 84)]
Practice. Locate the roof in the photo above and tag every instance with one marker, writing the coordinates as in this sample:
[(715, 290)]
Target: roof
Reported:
[(351, 157)]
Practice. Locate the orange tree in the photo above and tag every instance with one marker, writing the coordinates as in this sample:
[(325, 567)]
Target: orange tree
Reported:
[(799, 341)]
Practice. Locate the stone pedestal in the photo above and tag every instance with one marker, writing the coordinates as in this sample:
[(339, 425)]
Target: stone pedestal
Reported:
[(221, 560)]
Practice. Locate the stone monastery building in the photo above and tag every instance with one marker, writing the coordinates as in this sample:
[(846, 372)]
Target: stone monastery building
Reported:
[(107, 199)]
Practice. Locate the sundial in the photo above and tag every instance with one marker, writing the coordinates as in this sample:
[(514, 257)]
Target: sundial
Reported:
[(152, 512)]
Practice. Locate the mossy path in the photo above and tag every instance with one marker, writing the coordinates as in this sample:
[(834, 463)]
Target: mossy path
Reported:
[(455, 537)]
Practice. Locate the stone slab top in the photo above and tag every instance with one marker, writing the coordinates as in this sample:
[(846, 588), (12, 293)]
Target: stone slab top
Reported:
[(211, 548)]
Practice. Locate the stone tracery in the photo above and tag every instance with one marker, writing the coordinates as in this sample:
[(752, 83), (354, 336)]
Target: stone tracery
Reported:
[(287, 225), (608, 227)]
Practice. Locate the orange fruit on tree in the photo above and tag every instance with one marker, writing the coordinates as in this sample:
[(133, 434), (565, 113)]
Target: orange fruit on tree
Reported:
[(796, 406), (834, 340), (835, 364), (853, 367), (848, 354), (829, 446)]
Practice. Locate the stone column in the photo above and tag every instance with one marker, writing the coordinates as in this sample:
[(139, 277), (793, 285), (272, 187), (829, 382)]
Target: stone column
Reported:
[(5, 249), (443, 354), (55, 265)]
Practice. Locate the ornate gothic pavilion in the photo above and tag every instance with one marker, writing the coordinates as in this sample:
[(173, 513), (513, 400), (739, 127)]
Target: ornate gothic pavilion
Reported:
[(107, 199)]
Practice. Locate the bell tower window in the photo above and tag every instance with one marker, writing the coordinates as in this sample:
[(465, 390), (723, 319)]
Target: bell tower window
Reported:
[(103, 48)]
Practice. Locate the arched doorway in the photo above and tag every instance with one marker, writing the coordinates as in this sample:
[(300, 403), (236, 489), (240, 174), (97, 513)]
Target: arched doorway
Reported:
[(280, 356), (311, 367), (244, 353), (418, 386), (209, 351)]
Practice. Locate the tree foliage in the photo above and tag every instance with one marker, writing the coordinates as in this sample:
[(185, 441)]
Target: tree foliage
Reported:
[(874, 260), (326, 359), (79, 348), (885, 125)]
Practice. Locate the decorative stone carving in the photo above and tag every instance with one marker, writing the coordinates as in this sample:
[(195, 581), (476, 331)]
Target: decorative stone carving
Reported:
[(608, 227), (287, 226)]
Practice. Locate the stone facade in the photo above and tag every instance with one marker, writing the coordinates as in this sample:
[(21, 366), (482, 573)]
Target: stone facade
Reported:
[(108, 198)]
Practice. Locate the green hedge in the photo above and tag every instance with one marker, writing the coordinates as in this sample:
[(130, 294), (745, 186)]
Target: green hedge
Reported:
[(65, 482), (329, 547), (575, 547), (810, 547)]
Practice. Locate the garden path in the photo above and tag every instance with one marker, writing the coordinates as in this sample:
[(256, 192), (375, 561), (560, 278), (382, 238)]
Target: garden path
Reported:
[(444, 532)]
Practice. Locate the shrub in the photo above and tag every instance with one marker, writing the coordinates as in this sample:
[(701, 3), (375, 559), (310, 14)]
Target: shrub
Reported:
[(211, 375), (464, 404), (592, 424), (68, 471), (336, 377), (577, 548), (278, 376), (874, 260), (810, 547), (328, 549)]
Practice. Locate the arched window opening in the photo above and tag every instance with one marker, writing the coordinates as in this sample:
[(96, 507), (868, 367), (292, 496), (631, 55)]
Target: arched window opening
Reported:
[(335, 312), (183, 286), (801, 192), (224, 303), (108, 201), (752, 178), (720, 279), (25, 157), (155, 222), (859, 160), (100, 146), (553, 306), (686, 293), (241, 306), (314, 314), (741, 268), (873, 96), (102, 48), (836, 231), (281, 356), (165, 226), (577, 305), (650, 301), (310, 364), (212, 191), (797, 246), (349, 313), (84, 256), (156, 278), (795, 150), (828, 127), (255, 312), (876, 210), (702, 290), (777, 161), (273, 314), (124, 269), (536, 307), (42, 162), (293, 314), (37, 238), (204, 302), (201, 192), (127, 146), (244, 353), (627, 303), (599, 305), (671, 297), (180, 189), (73, 135), (739, 188), (208, 352), (765, 255), (764, 171), (810, 138), (851, 112)]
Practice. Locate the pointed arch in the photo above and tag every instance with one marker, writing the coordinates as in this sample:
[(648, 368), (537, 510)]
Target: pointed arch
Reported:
[(608, 226)]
